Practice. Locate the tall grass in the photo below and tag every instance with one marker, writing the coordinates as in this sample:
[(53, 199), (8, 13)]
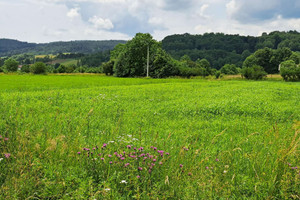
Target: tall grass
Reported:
[(225, 139)]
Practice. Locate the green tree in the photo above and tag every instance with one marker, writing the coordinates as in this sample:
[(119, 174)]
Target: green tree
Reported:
[(108, 67), (11, 65), (38, 68), (25, 68), (290, 71), (255, 72), (229, 69), (61, 69)]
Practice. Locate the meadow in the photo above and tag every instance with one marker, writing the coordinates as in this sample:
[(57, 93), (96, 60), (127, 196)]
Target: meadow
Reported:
[(99, 137)]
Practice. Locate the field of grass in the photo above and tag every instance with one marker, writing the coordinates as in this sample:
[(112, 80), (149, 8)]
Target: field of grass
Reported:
[(98, 137)]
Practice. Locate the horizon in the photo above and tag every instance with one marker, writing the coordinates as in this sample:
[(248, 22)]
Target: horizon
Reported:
[(44, 21)]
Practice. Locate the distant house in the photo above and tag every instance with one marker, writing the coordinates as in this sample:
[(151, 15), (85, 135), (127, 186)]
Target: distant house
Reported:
[(20, 67)]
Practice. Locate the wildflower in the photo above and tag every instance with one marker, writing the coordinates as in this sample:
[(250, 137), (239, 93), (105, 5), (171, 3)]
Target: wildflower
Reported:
[(140, 168), (190, 174), (217, 160), (154, 148), (0, 136), (78, 152), (123, 181), (6, 139), (160, 163), (151, 147), (123, 158), (110, 162), (206, 167), (145, 158), (167, 153), (141, 148), (107, 189), (180, 165), (154, 160), (149, 170), (104, 145), (138, 177), (109, 156), (126, 164), (7, 155), (1, 159), (128, 146), (224, 171), (102, 158), (111, 142), (94, 148)]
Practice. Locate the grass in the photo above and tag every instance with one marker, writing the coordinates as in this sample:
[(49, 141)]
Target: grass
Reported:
[(228, 139)]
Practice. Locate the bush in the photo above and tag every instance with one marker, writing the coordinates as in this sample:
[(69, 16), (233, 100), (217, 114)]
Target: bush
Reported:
[(108, 67), (1, 69), (11, 65), (229, 69), (80, 70), (25, 69), (217, 74), (255, 72), (61, 69), (290, 71), (38, 68)]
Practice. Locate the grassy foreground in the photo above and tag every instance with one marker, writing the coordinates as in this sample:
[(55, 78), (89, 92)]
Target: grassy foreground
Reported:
[(97, 137)]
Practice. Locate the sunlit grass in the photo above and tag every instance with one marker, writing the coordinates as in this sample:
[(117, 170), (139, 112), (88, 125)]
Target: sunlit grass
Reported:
[(226, 139)]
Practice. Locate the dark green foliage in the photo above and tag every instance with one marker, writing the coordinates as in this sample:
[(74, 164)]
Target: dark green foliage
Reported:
[(220, 49), (132, 58), (69, 55), (290, 71), (93, 70), (12, 47), (95, 60), (61, 69), (217, 74), (25, 68), (1, 69), (70, 68), (229, 69), (108, 67), (11, 65), (80, 70), (254, 73), (38, 68)]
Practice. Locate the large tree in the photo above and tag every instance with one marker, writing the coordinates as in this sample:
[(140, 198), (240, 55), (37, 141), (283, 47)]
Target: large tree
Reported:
[(131, 58), (11, 65)]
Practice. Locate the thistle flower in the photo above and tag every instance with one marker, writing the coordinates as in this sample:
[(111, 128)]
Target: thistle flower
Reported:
[(160, 163), (110, 162), (104, 145), (7, 155), (109, 155), (78, 152), (102, 158), (138, 176), (140, 168), (126, 164), (154, 160), (94, 148), (129, 146), (217, 160), (6, 139), (180, 165)]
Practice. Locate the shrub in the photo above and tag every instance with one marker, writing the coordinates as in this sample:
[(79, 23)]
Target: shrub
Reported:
[(61, 69), (290, 71), (217, 74), (25, 68), (108, 67), (255, 72), (11, 65), (229, 69), (38, 68)]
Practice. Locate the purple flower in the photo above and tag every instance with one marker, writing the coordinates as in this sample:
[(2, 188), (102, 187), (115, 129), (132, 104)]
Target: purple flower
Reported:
[(129, 146), (217, 160), (138, 177), (154, 160), (145, 158), (149, 170), (123, 158), (86, 149), (94, 148), (154, 148), (140, 168), (160, 163), (110, 162), (151, 147), (180, 165), (126, 164), (206, 167), (104, 145), (190, 174), (6, 139), (78, 152), (167, 153), (134, 148), (0, 136), (7, 155), (102, 158), (109, 156), (141, 148)]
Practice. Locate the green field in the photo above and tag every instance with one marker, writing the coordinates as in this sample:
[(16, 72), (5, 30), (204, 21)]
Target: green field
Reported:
[(228, 139)]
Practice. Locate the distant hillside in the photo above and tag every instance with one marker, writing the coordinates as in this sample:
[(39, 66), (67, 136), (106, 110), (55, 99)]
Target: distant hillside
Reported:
[(220, 49), (10, 47)]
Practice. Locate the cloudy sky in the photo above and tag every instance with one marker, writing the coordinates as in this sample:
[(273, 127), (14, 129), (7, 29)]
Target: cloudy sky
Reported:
[(65, 20)]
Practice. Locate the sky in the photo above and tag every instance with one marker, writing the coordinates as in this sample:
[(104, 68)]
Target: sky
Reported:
[(43, 21)]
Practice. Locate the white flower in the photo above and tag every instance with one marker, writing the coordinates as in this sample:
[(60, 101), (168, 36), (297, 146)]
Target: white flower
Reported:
[(129, 135), (107, 189), (225, 171), (111, 142), (1, 159), (123, 181)]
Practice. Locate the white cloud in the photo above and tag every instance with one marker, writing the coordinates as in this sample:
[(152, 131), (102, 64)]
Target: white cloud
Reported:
[(73, 13), (101, 23)]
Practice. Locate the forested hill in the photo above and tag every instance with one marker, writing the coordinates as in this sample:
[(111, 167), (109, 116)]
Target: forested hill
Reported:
[(220, 49), (10, 47)]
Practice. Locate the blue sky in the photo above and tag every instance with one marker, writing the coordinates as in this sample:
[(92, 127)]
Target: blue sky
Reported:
[(65, 20)]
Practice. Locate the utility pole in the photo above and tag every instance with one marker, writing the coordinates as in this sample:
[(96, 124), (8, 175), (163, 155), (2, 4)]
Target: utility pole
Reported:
[(148, 61)]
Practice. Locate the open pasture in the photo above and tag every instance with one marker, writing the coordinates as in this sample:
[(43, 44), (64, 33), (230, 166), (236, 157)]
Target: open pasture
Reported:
[(73, 137)]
